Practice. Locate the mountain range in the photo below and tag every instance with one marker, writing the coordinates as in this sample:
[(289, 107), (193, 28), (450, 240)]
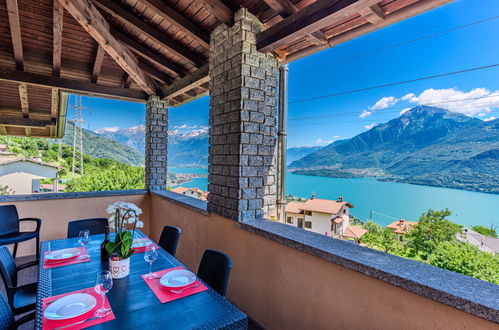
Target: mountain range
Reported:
[(425, 145)]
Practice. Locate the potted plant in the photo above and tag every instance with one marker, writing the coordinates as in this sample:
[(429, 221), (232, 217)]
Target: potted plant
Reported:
[(122, 214)]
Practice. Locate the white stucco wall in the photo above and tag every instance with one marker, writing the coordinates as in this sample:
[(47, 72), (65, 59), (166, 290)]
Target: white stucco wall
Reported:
[(19, 176)]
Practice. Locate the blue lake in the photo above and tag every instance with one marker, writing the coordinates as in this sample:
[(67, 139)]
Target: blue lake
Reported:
[(392, 200)]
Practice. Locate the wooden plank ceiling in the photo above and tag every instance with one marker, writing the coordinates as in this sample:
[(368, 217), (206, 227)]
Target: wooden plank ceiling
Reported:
[(130, 49)]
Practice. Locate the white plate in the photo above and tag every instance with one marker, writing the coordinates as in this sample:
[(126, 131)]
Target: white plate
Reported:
[(70, 306), (177, 278), (63, 254), (137, 243)]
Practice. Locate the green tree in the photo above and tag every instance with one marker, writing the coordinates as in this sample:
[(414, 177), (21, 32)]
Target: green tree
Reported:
[(120, 178), (432, 229), (485, 230), (466, 259), (372, 227), (384, 240)]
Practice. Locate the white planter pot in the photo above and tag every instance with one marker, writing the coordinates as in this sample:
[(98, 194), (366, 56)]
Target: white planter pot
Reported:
[(119, 268)]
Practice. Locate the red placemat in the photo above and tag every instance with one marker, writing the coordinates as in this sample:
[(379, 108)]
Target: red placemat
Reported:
[(164, 295), (77, 260), (143, 248), (70, 323)]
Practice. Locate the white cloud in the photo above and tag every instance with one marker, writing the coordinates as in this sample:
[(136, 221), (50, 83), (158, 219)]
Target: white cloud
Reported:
[(336, 137), (404, 111), (382, 103), (368, 127), (478, 101), (490, 118), (365, 113), (409, 97), (109, 129), (320, 141)]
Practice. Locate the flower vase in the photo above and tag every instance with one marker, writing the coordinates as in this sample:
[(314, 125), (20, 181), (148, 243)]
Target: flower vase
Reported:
[(119, 268)]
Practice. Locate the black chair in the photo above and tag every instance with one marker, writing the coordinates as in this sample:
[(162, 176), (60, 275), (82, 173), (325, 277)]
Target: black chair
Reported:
[(21, 298), (7, 320), (169, 239), (214, 270), (94, 225), (9, 229)]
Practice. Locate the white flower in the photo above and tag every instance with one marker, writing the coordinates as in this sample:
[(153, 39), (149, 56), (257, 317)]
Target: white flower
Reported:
[(140, 224)]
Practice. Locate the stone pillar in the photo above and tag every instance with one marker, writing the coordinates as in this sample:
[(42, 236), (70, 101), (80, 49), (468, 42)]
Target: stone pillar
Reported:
[(243, 91), (156, 143)]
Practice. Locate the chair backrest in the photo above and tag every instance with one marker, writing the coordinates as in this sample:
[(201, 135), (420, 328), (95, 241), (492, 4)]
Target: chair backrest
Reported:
[(214, 270), (8, 269), (169, 239), (7, 320), (9, 220), (94, 225)]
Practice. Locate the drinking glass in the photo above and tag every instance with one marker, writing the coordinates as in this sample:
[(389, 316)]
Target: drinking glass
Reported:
[(103, 283), (83, 239), (150, 256)]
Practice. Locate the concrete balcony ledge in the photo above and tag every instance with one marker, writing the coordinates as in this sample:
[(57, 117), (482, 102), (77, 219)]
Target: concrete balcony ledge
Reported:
[(468, 294), (191, 203), (65, 195)]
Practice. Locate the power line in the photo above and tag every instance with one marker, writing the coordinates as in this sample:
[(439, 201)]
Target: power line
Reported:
[(393, 84), (400, 44)]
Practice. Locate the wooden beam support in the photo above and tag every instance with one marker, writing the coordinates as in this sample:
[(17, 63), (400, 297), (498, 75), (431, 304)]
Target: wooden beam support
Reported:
[(148, 54), (3, 131), (54, 108), (94, 23), (127, 81), (27, 131), (180, 22), (73, 86), (373, 14), (286, 8), (23, 96), (99, 58), (310, 19), (57, 23), (25, 122), (15, 33), (117, 11), (152, 72), (199, 77), (218, 9)]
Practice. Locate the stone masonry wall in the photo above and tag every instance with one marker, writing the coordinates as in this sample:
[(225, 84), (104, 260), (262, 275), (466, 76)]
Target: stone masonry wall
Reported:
[(156, 143), (243, 107)]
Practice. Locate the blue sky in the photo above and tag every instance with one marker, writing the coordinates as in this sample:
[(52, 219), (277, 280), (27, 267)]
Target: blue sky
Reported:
[(347, 67)]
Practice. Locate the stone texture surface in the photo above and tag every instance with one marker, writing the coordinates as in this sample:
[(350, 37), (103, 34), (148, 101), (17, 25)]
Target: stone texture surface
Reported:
[(243, 107), (156, 144)]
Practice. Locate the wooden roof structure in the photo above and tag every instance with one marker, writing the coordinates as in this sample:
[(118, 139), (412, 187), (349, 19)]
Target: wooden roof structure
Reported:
[(130, 49)]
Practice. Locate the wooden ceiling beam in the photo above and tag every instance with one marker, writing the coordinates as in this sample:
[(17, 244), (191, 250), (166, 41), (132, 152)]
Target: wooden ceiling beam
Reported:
[(15, 33), (197, 78), (373, 14), (57, 23), (118, 12), (25, 122), (218, 9), (27, 131), (99, 58), (54, 107), (94, 23), (3, 131), (148, 54), (73, 86), (155, 73), (23, 96), (180, 22), (127, 81), (312, 18)]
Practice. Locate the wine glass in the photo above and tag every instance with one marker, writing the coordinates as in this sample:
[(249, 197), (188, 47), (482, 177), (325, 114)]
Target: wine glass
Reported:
[(83, 239), (103, 283), (150, 256)]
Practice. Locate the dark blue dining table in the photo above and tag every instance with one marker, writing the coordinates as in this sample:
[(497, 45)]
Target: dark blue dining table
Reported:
[(134, 304)]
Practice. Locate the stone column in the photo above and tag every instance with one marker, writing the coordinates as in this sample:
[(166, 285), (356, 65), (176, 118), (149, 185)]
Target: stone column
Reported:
[(156, 143), (243, 91)]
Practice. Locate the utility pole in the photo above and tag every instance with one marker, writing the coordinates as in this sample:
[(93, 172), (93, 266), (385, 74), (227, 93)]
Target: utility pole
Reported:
[(77, 135)]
